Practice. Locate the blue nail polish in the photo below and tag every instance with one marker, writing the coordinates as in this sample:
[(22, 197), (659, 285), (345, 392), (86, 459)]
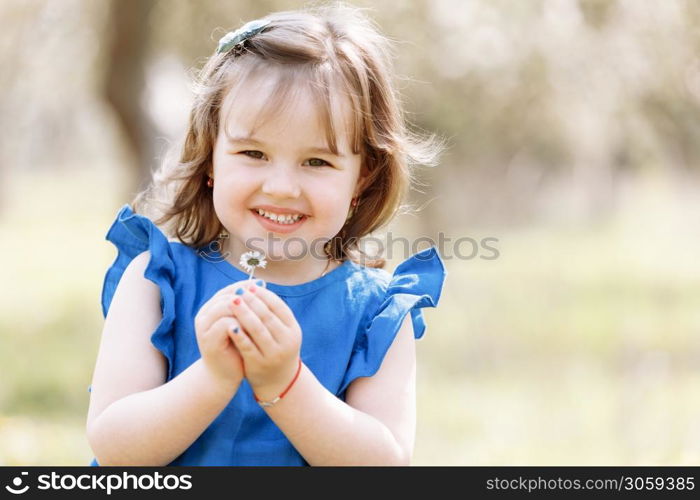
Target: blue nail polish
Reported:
[(260, 283), (235, 329), (240, 291)]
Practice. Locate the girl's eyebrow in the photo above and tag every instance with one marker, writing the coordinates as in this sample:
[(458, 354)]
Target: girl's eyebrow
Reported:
[(253, 140)]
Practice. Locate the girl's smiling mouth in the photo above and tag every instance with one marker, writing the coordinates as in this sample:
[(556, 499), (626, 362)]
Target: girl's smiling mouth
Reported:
[(279, 223)]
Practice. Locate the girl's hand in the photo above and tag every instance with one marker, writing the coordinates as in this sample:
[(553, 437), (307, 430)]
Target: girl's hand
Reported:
[(213, 327), (269, 342)]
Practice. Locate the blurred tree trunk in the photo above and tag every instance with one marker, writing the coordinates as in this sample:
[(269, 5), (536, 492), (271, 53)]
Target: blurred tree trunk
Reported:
[(125, 80)]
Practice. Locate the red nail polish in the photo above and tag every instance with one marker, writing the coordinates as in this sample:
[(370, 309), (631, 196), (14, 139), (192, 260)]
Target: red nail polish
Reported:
[(236, 301), (252, 289)]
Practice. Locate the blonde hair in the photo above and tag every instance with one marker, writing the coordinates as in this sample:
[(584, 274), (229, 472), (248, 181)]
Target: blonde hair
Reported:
[(324, 47)]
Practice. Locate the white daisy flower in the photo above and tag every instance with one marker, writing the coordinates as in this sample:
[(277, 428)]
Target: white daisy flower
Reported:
[(250, 260)]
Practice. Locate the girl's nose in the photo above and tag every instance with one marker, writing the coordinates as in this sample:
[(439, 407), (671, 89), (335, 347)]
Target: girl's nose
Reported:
[(281, 182)]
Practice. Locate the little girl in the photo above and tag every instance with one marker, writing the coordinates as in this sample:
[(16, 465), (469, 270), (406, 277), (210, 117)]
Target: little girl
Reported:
[(296, 148)]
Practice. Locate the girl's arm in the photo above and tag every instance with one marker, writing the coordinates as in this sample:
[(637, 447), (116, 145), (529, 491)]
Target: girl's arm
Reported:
[(134, 417), (376, 425)]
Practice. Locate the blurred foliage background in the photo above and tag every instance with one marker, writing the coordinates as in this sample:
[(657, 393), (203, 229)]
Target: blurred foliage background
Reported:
[(573, 133)]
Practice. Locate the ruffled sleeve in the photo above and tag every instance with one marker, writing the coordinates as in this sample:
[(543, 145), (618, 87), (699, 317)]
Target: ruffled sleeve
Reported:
[(133, 234), (416, 283)]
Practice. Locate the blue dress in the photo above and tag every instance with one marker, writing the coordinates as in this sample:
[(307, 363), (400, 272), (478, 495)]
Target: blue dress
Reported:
[(348, 319)]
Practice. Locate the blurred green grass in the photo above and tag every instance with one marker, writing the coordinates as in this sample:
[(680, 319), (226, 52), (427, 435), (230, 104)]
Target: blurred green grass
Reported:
[(52, 230), (579, 345)]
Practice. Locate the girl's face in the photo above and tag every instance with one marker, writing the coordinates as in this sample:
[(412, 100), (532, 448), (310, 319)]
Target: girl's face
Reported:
[(283, 170)]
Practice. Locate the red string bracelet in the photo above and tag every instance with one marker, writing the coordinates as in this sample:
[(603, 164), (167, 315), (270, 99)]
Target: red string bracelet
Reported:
[(270, 403)]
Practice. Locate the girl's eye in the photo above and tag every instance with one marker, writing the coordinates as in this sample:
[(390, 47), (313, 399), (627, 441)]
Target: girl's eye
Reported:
[(254, 154), (320, 162)]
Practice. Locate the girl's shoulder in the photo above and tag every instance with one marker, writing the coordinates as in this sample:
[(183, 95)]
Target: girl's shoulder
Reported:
[(418, 280), (415, 283), (133, 234), (422, 269)]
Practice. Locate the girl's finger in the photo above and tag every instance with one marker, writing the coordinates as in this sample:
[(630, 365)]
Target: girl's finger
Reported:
[(233, 287), (277, 306), (215, 309), (245, 346), (256, 330), (217, 335), (244, 284), (277, 329), (229, 289)]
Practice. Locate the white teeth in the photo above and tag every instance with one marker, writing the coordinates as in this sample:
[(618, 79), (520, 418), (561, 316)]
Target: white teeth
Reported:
[(280, 219)]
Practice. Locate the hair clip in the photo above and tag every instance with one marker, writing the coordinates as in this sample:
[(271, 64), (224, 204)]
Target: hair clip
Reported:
[(233, 38)]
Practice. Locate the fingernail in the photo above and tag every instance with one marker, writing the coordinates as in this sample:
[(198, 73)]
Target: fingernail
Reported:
[(260, 283), (237, 301), (240, 291), (234, 329), (252, 289)]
